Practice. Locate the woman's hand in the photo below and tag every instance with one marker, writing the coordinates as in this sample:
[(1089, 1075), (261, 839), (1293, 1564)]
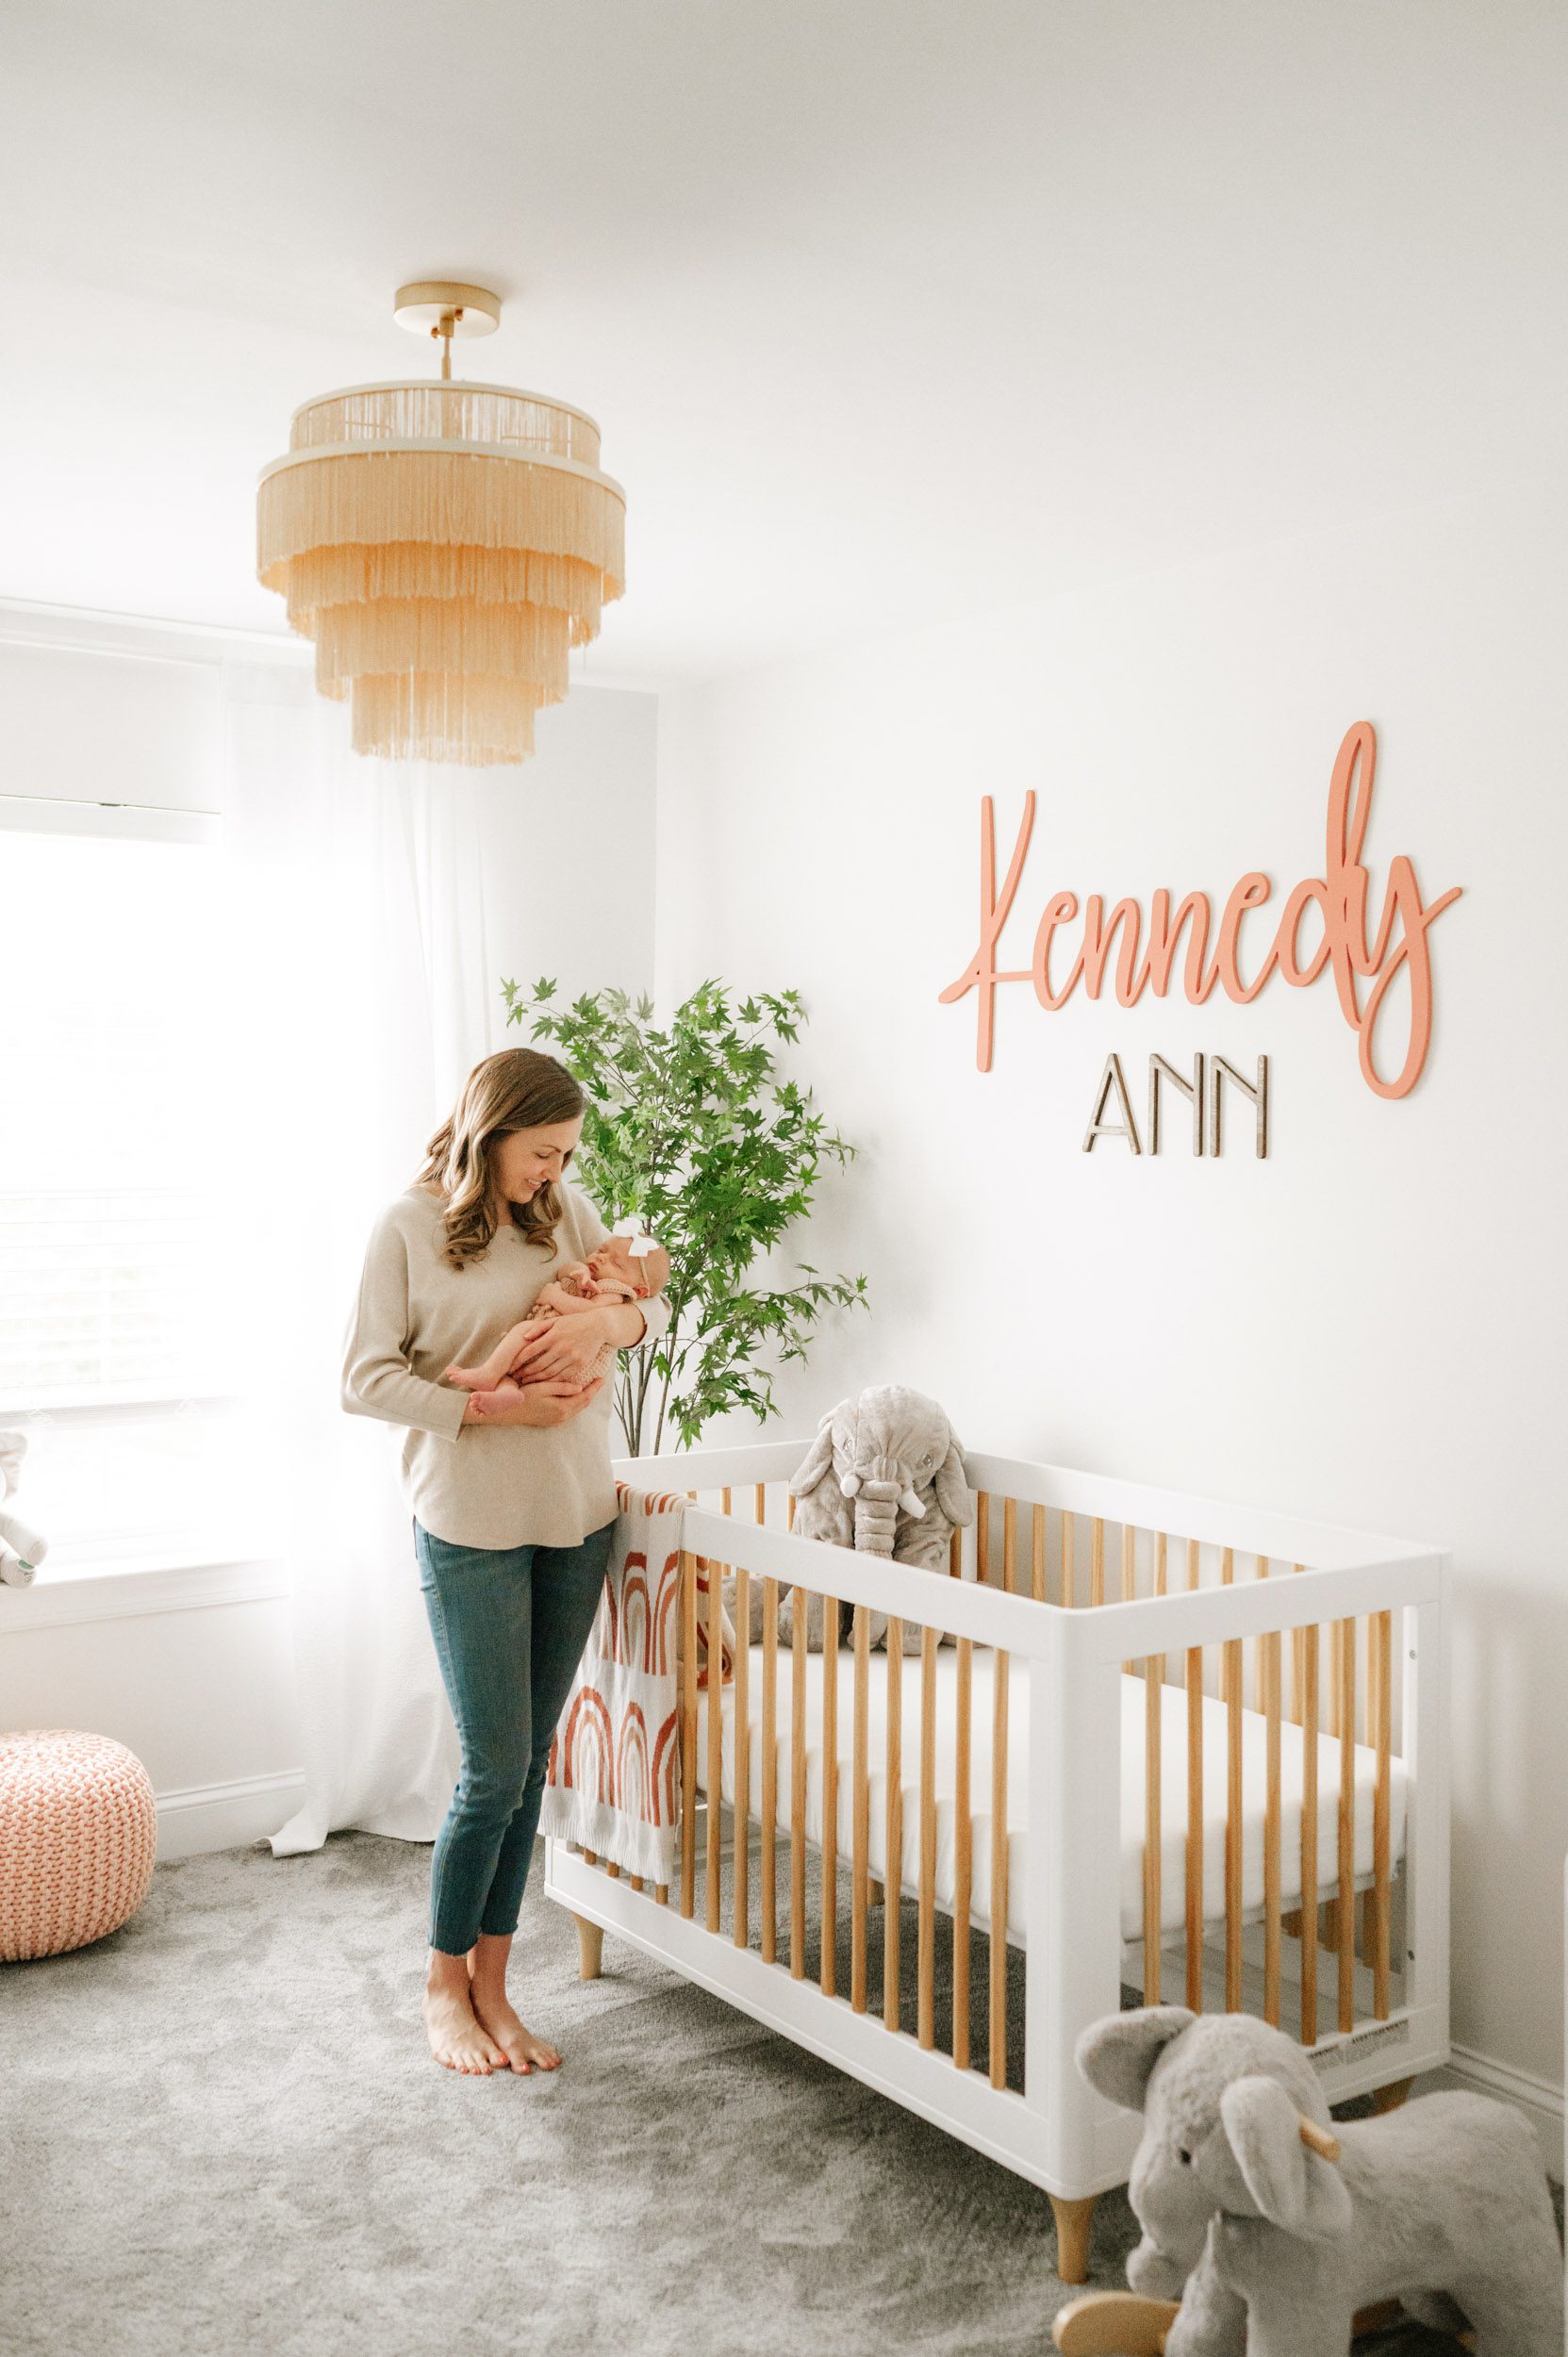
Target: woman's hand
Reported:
[(566, 1349), (542, 1404)]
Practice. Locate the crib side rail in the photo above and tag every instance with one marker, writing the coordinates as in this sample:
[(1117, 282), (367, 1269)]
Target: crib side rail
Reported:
[(1254, 1530), (982, 1613), (1089, 1497), (1186, 1618), (734, 1469)]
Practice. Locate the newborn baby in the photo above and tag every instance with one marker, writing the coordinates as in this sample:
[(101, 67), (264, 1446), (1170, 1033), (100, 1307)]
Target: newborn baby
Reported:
[(615, 1273)]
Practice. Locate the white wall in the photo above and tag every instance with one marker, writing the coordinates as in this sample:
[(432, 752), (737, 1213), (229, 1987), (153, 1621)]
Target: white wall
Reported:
[(1368, 1327), (193, 1669)]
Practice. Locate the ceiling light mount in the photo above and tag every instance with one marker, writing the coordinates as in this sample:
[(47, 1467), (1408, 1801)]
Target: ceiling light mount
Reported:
[(445, 307), (420, 308)]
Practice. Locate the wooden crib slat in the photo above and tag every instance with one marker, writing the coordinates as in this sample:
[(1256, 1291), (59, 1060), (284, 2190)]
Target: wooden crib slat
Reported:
[(689, 1732), (1008, 1543), (1154, 1679), (926, 1949), (789, 1513), (761, 1495), (742, 1817), (1069, 1565), (860, 1880), (1037, 1554), (716, 1732), (955, 1556), (983, 1537), (1097, 1562), (828, 1968), (1232, 1666), (1269, 1664), (1194, 1805), (1345, 1698), (1309, 1838), (770, 1770), (963, 1859), (893, 1845), (798, 1785), (998, 1870), (724, 1498), (1381, 1634)]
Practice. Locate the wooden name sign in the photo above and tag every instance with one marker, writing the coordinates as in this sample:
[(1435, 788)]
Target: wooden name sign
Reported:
[(1144, 951)]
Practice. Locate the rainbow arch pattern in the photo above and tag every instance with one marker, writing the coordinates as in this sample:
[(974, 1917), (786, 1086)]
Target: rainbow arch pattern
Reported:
[(612, 1784)]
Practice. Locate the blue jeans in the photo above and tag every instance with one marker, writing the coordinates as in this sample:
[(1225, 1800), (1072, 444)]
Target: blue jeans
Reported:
[(510, 1625)]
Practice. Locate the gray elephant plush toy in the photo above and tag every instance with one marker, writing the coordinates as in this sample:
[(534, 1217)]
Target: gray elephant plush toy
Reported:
[(885, 1474), (1271, 2226)]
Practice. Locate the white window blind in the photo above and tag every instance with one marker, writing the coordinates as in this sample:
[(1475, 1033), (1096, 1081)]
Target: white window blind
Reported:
[(114, 1347)]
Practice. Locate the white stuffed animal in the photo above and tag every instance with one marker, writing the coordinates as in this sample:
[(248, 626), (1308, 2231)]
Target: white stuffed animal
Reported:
[(1289, 2223), (22, 1549)]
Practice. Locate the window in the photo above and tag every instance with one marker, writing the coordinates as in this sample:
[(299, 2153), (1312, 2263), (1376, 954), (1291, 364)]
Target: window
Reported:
[(113, 1354)]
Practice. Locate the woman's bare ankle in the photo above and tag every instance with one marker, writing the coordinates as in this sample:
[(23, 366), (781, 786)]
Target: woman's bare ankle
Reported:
[(487, 1962), (446, 1975)]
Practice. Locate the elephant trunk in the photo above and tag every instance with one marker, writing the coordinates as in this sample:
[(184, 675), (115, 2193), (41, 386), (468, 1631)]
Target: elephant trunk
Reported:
[(876, 1516)]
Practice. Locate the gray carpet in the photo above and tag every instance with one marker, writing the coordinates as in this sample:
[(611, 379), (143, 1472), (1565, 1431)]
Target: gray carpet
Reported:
[(222, 2136)]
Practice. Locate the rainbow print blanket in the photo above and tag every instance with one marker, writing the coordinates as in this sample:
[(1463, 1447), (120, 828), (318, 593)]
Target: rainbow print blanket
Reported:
[(614, 1783)]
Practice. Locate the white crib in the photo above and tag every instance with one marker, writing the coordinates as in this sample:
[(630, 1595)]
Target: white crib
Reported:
[(1217, 1789)]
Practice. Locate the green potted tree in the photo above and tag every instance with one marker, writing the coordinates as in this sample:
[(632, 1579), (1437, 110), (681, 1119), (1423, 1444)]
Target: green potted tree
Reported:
[(689, 1128)]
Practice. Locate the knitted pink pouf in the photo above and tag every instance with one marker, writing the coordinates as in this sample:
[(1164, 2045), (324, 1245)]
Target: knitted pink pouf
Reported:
[(78, 1830)]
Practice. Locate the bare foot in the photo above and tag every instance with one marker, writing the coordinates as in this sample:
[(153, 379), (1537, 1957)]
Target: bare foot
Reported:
[(522, 2050), (457, 2039)]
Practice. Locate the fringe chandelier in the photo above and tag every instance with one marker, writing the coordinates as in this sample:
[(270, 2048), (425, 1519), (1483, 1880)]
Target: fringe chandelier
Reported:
[(445, 544)]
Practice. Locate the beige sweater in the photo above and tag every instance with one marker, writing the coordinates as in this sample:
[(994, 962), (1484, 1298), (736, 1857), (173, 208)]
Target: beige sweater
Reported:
[(475, 1485)]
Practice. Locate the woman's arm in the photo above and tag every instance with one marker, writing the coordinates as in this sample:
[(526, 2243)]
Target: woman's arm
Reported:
[(377, 1379)]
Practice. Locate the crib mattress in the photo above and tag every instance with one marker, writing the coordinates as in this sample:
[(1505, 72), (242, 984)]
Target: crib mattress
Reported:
[(1173, 1786)]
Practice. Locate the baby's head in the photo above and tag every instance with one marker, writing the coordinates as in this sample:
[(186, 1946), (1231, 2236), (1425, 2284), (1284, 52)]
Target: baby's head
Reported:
[(649, 1272)]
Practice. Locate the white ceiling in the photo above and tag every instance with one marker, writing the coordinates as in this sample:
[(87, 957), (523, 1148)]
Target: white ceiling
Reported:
[(888, 309)]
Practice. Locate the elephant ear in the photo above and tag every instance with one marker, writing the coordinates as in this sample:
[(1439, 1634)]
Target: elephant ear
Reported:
[(953, 1494), (1118, 2054), (1293, 2187), (817, 1458)]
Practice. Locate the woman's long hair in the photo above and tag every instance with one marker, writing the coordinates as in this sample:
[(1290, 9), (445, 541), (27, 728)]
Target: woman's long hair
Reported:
[(517, 1089)]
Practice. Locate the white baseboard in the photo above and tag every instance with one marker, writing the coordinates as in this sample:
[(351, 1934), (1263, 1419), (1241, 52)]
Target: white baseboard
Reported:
[(226, 1816), (1540, 2099)]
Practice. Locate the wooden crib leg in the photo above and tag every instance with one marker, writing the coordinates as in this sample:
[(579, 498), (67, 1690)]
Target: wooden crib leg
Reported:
[(590, 1948), (1390, 2098), (1073, 2219)]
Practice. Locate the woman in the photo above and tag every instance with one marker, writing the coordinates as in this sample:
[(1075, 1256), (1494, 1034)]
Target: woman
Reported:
[(513, 1497)]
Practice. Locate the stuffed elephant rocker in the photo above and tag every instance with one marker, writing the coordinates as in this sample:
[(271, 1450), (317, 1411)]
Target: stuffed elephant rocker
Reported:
[(1274, 2226), (885, 1475)]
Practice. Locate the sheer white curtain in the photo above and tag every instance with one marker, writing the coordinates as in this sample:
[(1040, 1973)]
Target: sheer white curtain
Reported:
[(364, 994)]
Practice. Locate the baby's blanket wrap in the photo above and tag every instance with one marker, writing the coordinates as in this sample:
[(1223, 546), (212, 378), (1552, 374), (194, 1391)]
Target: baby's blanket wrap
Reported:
[(614, 1784)]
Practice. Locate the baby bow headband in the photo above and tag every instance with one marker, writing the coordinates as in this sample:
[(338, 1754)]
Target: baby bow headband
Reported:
[(640, 1244)]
